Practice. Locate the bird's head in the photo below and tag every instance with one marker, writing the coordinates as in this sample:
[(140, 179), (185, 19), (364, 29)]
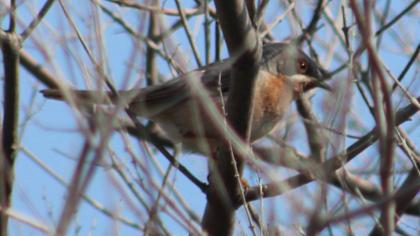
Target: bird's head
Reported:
[(297, 67)]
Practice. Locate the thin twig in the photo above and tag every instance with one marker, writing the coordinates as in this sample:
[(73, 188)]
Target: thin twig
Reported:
[(150, 43), (398, 196), (234, 164), (272, 189), (383, 113), (98, 67), (311, 28), (189, 35), (410, 62), (88, 199), (396, 18), (44, 10), (277, 20), (156, 9), (202, 186), (27, 220)]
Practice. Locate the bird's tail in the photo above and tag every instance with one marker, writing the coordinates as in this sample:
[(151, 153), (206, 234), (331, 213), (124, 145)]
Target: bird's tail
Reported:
[(85, 96), (141, 101)]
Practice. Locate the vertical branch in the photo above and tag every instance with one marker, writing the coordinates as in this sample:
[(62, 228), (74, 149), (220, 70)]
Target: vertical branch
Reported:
[(151, 71), (12, 23), (218, 44), (83, 172), (190, 37), (207, 32), (11, 97), (316, 138), (10, 45), (383, 115), (75, 190), (316, 142), (243, 44), (406, 191)]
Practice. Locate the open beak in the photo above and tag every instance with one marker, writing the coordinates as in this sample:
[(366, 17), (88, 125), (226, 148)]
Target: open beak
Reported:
[(319, 81), (323, 85), (316, 83)]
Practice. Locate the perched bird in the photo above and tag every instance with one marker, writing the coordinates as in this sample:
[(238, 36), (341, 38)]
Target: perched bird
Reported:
[(285, 71)]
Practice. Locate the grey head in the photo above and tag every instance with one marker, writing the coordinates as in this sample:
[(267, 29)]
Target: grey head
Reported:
[(289, 60)]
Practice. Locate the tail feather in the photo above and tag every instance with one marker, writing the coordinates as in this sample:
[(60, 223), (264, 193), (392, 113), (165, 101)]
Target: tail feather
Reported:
[(144, 102), (52, 94), (86, 96)]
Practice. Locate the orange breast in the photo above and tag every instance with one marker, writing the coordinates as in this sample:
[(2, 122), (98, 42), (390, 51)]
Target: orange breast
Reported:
[(273, 93), (272, 98)]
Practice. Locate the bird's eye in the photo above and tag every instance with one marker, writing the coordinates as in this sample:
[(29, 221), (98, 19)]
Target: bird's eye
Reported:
[(302, 66)]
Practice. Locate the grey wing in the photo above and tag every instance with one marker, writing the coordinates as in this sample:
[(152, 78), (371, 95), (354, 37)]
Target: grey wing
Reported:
[(152, 100)]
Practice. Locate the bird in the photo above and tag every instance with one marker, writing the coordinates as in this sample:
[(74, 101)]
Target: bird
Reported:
[(285, 72)]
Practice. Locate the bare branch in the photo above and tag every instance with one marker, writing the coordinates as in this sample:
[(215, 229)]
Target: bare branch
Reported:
[(270, 190), (396, 18), (10, 44), (25, 34), (244, 45)]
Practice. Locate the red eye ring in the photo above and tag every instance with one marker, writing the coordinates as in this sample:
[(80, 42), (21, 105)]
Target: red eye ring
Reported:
[(302, 66)]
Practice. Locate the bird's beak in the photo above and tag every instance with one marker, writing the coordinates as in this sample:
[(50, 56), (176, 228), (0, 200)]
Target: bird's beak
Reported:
[(320, 80), (317, 83), (323, 85)]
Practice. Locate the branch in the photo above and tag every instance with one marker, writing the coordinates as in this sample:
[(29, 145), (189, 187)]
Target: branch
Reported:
[(342, 179), (153, 8), (406, 193), (10, 44), (190, 37), (393, 21), (333, 164), (369, 209), (244, 45), (383, 113), (38, 71), (25, 34), (315, 135), (407, 67), (311, 28)]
